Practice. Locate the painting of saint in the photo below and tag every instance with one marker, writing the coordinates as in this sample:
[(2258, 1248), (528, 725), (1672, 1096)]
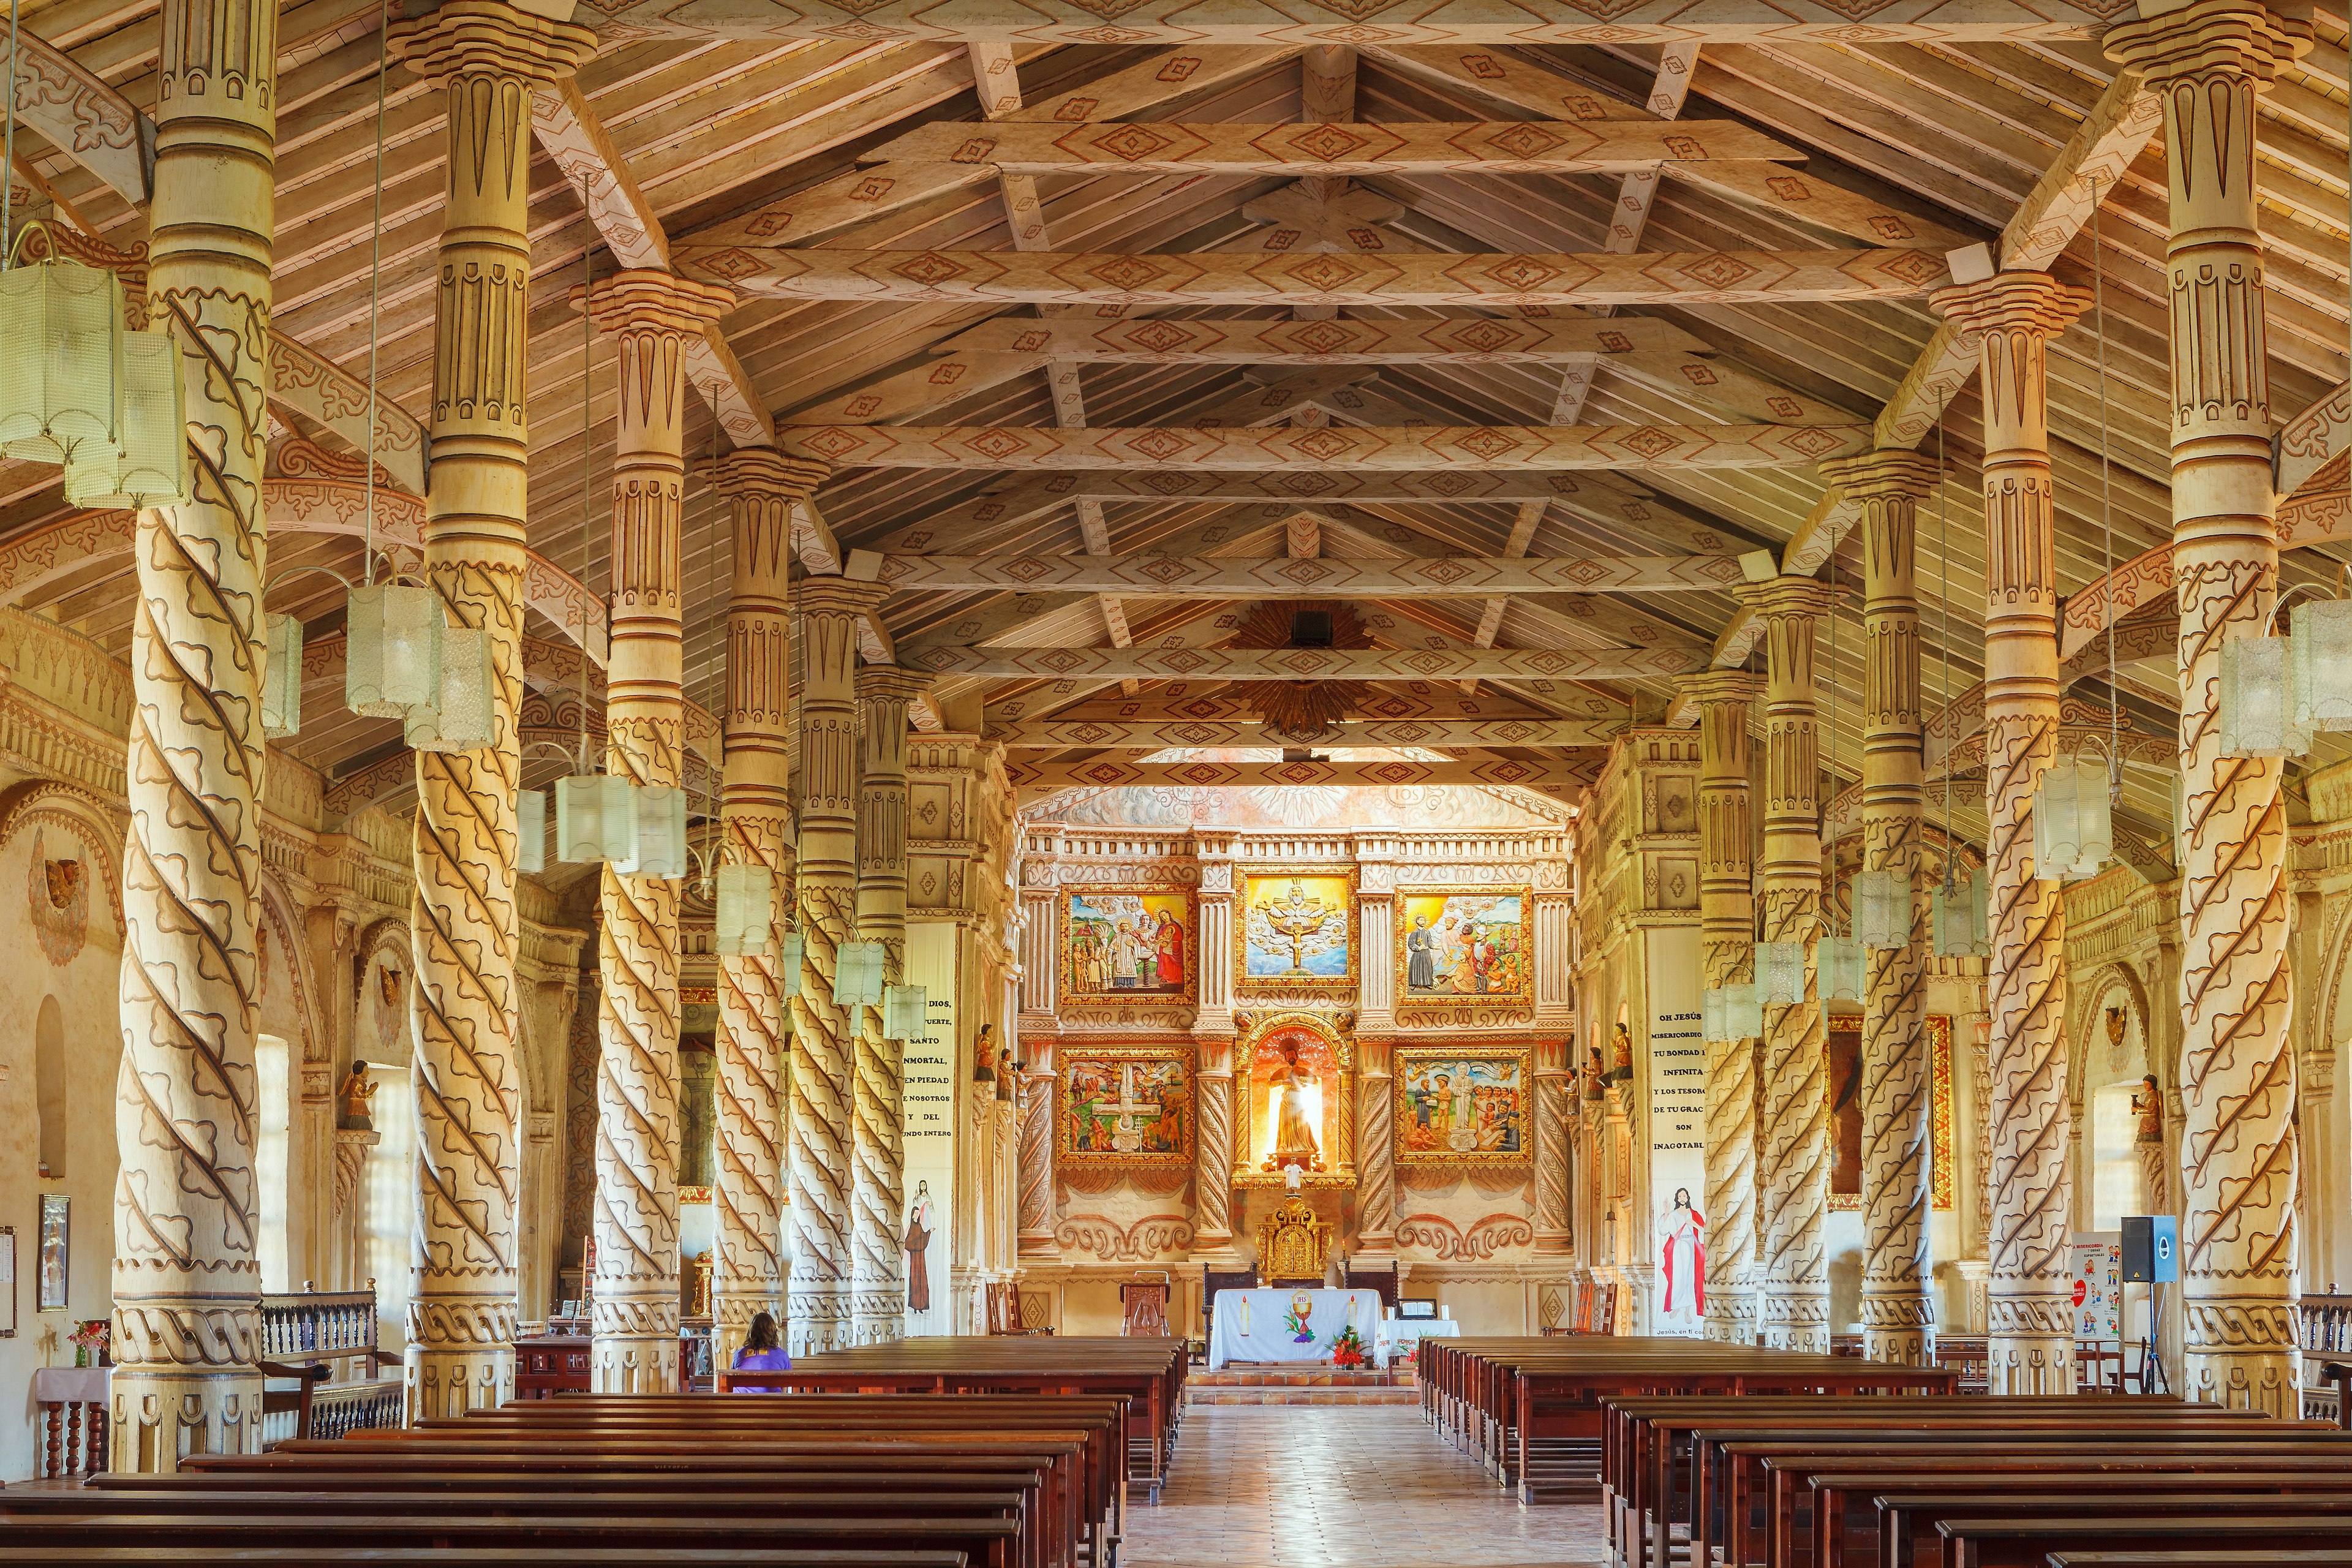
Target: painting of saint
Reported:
[(1126, 1107), (1298, 930), (1842, 1087), (1124, 946), (1456, 1109), (1295, 1084), (1465, 946)]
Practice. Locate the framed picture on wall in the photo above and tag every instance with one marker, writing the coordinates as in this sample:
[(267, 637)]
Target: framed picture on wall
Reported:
[(1125, 1107), (1127, 945), (56, 1252), (1465, 946), (1457, 1107), (1296, 931), (7, 1281)]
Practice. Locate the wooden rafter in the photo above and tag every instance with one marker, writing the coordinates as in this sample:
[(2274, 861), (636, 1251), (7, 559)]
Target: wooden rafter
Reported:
[(1559, 780), (1197, 577), (1305, 664), (1115, 734)]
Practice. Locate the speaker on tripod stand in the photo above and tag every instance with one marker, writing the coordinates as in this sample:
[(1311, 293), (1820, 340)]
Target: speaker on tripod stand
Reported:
[(2151, 1257)]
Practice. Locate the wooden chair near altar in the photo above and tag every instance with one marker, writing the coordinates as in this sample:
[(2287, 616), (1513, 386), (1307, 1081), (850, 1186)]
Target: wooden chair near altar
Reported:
[(1386, 1281), (1005, 1315), (1294, 1246), (1214, 1280), (1143, 1308)]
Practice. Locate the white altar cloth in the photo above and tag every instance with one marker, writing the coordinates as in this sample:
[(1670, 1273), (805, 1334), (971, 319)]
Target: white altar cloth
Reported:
[(1265, 1325), (1397, 1336)]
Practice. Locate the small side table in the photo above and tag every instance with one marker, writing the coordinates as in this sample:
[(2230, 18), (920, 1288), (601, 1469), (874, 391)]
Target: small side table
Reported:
[(72, 1445)]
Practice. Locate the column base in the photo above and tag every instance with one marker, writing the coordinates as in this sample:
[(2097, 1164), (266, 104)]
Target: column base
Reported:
[(2029, 1363), (822, 1318), (450, 1380), (632, 1341), (160, 1414), (1795, 1318), (731, 1312), (2265, 1380), (1731, 1313), (1896, 1324), (877, 1317)]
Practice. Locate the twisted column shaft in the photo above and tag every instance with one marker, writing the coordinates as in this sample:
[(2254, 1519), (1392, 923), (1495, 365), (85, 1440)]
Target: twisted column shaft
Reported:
[(2031, 1324), (1793, 1166), (755, 814), (826, 883), (877, 1131), (2207, 62), (489, 57), (652, 316), (1727, 905), (187, 1274), (1897, 1308)]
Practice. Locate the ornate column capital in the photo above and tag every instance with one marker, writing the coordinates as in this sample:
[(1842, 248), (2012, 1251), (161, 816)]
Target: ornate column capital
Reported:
[(490, 35), (765, 472), (1778, 597), (2212, 38), (646, 299), (1884, 474), (891, 683), (1712, 687), (840, 596), (2011, 301)]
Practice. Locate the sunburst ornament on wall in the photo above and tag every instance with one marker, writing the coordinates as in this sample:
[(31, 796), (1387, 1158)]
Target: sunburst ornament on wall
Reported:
[(1303, 713)]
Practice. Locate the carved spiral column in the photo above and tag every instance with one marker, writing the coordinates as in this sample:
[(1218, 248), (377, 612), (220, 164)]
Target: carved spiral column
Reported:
[(755, 814), (878, 1136), (2207, 62), (652, 316), (1212, 1131), (1036, 1241), (489, 57), (1897, 1309), (1555, 1221), (1375, 1149), (2032, 1327), (823, 1034), (1727, 905), (188, 1275), (1793, 1165)]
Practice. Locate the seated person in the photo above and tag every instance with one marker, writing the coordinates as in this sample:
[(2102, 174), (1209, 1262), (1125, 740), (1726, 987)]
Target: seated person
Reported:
[(762, 1351)]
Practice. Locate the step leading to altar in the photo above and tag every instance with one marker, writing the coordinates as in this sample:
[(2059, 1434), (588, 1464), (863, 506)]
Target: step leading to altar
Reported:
[(1300, 1386)]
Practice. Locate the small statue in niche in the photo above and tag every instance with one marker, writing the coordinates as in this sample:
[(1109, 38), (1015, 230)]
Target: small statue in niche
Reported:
[(1595, 1075), (989, 1064), (1622, 1044), (354, 1111), (2147, 1102)]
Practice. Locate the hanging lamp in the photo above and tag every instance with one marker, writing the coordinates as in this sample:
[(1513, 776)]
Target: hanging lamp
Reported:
[(1958, 915), (2074, 826), (281, 678), (149, 466), (747, 901), (903, 1011), (857, 975), (531, 830), (1882, 908), (662, 849), (458, 718), (791, 951)]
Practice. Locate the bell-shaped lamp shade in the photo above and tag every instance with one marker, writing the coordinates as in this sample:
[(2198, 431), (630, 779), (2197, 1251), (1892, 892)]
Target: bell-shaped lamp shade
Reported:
[(1882, 908), (596, 820), (789, 956), (747, 910), (1841, 968), (1743, 1014), (2322, 660), (392, 659), (152, 469), (2073, 831), (857, 975), (61, 363), (460, 720), (903, 1010), (2256, 702), (531, 830), (281, 679), (1779, 973), (662, 848), (1961, 928)]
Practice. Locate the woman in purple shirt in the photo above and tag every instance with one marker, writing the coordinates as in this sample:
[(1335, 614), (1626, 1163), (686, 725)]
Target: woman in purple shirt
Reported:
[(762, 1351)]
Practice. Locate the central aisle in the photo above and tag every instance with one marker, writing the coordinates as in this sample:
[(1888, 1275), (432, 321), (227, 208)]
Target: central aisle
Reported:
[(1340, 1487)]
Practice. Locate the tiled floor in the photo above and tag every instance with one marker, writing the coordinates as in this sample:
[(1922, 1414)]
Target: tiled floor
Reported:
[(1318, 1486)]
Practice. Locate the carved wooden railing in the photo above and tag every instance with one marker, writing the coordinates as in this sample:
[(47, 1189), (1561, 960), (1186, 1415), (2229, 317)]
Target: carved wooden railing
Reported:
[(326, 1342), (2324, 1329)]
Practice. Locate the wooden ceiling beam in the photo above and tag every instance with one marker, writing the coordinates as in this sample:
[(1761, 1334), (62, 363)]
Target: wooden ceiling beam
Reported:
[(1488, 281), (1165, 449), (1305, 664), (1205, 577), (1146, 735), (1559, 780), (1478, 340)]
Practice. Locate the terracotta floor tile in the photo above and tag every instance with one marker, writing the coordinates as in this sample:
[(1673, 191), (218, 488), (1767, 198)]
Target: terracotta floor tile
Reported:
[(1322, 1486)]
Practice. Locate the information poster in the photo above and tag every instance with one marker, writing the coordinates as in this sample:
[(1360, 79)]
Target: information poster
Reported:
[(928, 1106), (1676, 1126), (2096, 1259)]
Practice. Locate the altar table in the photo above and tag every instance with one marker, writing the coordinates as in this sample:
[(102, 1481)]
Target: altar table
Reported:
[(1261, 1325), (1397, 1336)]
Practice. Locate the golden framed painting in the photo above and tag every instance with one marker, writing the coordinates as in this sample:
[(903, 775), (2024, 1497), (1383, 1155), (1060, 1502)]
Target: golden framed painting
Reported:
[(1133, 945), (1295, 1092), (1463, 1107), (1297, 931), (1843, 1087), (1124, 1107), (1465, 946)]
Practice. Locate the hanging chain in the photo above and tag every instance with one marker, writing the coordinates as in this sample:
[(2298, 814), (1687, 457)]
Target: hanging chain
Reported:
[(8, 174), (376, 276), (587, 476), (1944, 554), (2106, 510)]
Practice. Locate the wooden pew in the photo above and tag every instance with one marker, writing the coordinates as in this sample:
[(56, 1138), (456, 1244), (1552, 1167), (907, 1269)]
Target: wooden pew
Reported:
[(2030, 1543), (489, 1556)]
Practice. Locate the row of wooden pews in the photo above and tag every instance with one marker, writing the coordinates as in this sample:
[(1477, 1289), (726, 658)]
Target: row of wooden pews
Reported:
[(1533, 1409), (990, 1474)]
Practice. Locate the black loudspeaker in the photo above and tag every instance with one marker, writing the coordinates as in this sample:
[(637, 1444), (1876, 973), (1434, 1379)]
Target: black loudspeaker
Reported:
[(2151, 1249)]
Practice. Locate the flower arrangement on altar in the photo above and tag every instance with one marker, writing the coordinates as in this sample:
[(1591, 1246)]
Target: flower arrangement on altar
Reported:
[(88, 1342), (1347, 1349)]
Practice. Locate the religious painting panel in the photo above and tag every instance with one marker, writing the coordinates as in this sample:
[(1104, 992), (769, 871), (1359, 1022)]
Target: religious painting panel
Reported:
[(1127, 945), (1125, 1107), (1844, 1092), (1296, 1075), (1297, 932), (1461, 1108), (1465, 946)]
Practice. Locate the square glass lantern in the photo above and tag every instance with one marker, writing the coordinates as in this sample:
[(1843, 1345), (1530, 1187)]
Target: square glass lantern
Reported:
[(1962, 926), (281, 679), (2322, 660), (61, 363), (1710, 1012), (747, 910), (460, 720), (149, 463), (662, 849), (531, 830), (1779, 973), (1743, 1014), (903, 1012), (857, 975), (789, 955), (2256, 704), (1843, 968), (596, 820), (2074, 825), (393, 650), (1882, 908)]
